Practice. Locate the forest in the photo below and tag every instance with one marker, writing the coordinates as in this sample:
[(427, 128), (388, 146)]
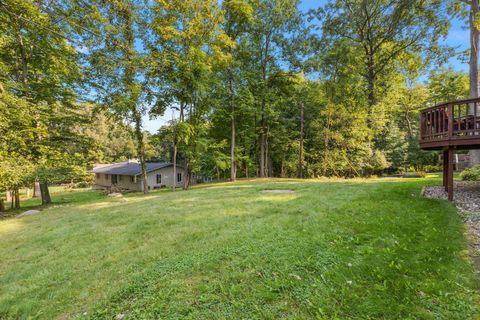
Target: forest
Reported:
[(257, 88)]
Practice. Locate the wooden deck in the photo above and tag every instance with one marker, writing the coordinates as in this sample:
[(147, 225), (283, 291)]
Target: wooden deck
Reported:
[(450, 126)]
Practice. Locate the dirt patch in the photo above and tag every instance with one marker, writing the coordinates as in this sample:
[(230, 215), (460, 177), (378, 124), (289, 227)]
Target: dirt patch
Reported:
[(278, 191)]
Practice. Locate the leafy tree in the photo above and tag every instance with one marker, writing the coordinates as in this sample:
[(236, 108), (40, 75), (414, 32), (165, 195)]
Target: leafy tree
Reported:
[(381, 31), (40, 71), (186, 45), (274, 19), (116, 66), (238, 20)]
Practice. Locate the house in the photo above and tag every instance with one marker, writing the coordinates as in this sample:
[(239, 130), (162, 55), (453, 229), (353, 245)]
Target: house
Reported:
[(127, 175)]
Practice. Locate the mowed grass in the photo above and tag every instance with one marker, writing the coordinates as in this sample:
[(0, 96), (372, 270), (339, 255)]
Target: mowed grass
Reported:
[(60, 194), (335, 249)]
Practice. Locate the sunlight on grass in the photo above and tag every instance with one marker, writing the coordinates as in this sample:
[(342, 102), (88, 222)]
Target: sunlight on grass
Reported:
[(10, 226), (115, 202), (277, 197)]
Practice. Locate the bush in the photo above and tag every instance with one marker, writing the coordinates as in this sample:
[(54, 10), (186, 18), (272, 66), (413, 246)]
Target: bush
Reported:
[(419, 174), (471, 174)]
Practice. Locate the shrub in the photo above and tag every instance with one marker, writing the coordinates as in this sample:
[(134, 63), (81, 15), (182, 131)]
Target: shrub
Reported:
[(419, 174), (471, 174)]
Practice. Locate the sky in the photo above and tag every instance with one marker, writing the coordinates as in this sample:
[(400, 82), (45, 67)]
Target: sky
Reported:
[(458, 38)]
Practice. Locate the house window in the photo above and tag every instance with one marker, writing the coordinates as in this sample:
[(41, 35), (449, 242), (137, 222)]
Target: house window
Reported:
[(179, 177), (159, 179), (132, 179), (119, 178), (106, 177), (97, 175)]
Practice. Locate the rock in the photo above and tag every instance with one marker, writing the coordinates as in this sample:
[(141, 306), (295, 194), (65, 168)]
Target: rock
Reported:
[(29, 213), (115, 194), (120, 316)]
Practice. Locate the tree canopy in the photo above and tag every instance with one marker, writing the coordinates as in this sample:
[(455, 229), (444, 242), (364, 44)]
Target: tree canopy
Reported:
[(259, 88)]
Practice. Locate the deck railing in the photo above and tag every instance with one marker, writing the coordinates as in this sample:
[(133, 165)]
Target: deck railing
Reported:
[(452, 123)]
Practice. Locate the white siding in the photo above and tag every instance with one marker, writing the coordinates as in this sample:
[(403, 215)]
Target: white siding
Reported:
[(167, 177), (101, 180)]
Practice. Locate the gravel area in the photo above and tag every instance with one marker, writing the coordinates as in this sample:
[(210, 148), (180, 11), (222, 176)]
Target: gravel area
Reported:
[(466, 195), (467, 200)]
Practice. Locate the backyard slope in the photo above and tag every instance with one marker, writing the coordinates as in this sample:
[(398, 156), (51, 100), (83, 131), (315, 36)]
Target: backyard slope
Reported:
[(346, 249)]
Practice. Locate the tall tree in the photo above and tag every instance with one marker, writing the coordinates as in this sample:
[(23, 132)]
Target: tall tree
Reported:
[(116, 65), (382, 31), (238, 19), (40, 67), (186, 46), (274, 19), (474, 25)]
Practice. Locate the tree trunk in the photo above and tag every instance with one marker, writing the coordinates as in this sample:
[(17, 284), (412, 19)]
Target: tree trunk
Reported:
[(46, 199), (174, 165), (262, 151), (36, 190), (300, 158), (474, 37), (24, 59), (474, 41), (233, 165), (141, 149), (263, 133), (2, 205), (370, 85), (268, 162), (17, 198), (186, 175), (129, 82)]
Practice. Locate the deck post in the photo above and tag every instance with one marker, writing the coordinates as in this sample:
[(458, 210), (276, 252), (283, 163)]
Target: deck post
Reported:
[(445, 168), (450, 174)]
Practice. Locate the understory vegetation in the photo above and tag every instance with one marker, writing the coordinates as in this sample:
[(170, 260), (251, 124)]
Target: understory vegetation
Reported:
[(331, 249), (471, 174)]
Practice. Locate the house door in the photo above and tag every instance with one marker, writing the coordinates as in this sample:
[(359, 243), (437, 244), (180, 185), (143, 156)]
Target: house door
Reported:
[(114, 179)]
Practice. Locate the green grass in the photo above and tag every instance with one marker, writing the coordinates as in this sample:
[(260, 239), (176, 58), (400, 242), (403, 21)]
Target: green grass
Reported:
[(336, 249), (60, 196)]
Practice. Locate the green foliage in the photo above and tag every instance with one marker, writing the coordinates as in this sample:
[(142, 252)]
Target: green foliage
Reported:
[(418, 174), (15, 173), (448, 85), (238, 69), (471, 174)]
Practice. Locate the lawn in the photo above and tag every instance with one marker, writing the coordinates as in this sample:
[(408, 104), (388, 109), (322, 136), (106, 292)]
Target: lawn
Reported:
[(335, 249), (62, 195)]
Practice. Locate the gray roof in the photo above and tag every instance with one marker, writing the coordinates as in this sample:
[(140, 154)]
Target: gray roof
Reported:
[(128, 168)]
